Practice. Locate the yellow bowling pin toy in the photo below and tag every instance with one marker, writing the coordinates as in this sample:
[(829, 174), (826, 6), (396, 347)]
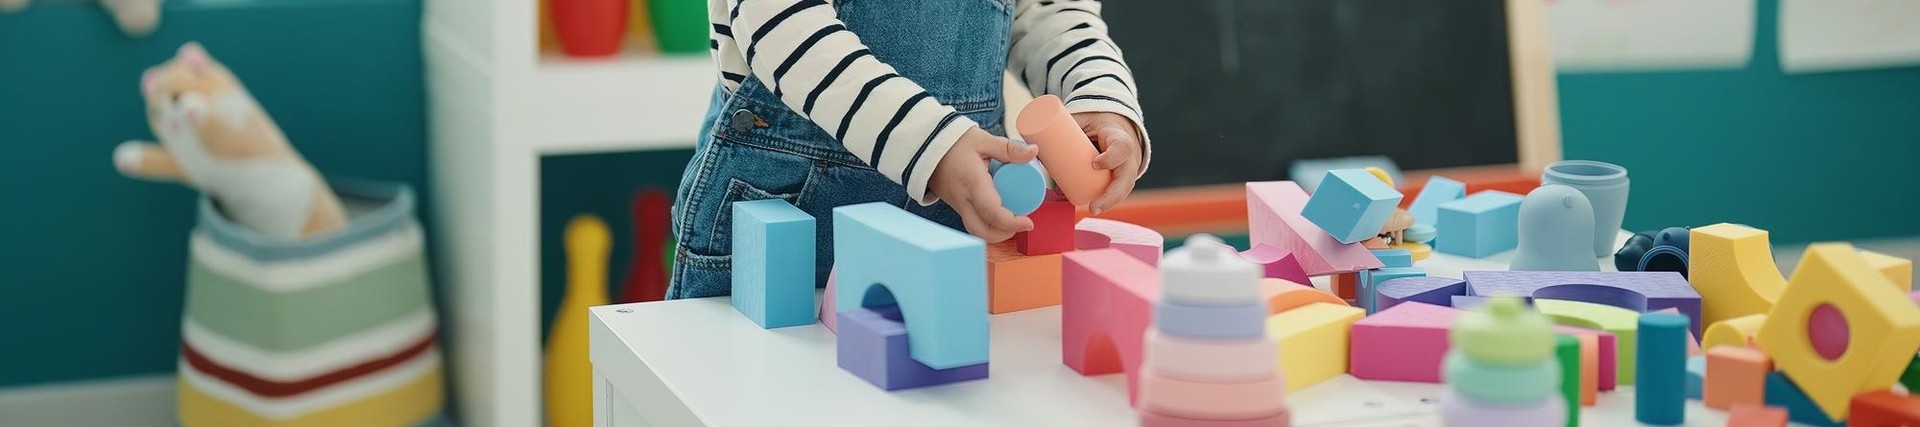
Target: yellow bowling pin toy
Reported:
[(569, 378)]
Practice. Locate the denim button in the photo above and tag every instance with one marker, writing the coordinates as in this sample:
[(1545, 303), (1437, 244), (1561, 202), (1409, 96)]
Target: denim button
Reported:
[(742, 120)]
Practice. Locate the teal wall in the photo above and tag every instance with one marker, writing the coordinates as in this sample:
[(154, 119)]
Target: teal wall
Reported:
[(1808, 157), (603, 185), (94, 263)]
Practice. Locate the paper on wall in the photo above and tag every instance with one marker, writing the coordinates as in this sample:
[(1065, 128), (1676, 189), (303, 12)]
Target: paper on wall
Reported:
[(1831, 35), (1608, 35)]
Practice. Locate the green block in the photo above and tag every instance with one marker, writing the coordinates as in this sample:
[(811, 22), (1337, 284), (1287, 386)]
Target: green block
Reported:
[(1567, 348), (1911, 378)]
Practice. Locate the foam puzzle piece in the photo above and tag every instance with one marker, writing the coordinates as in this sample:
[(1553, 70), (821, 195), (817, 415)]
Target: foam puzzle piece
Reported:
[(1163, 394), (1620, 322), (1390, 258), (1276, 263), (1370, 280), (1273, 218), (1409, 341), (1099, 233), (1800, 409), (827, 317), (1351, 204), (1731, 266), (873, 345), (1883, 328), (773, 263), (1151, 419), (1566, 349), (1205, 272), (1897, 269), (1459, 411), (1053, 227), (1756, 416), (1430, 290), (1885, 408), (1738, 331), (1639, 291), (1589, 369), (1660, 395), (1106, 305), (1244, 321), (1696, 378), (1313, 341), (1018, 281), (1480, 225), (1736, 375), (1439, 191), (935, 274), (1208, 360), (1501, 384), (1022, 186), (1282, 296)]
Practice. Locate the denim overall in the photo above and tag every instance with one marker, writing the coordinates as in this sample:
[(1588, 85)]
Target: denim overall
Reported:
[(752, 147)]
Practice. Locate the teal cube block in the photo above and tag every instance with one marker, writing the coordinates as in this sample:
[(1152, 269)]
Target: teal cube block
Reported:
[(1483, 224), (1439, 190), (1351, 204), (1370, 280), (1783, 393), (938, 276), (773, 263)]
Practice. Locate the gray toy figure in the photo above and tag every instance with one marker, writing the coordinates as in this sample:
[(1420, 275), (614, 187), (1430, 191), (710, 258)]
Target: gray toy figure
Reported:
[(1556, 231)]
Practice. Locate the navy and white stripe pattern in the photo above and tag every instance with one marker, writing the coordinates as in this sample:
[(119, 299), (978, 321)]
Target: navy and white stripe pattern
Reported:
[(808, 58)]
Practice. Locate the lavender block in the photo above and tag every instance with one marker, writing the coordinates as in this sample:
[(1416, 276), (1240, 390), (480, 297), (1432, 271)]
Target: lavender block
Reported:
[(872, 344), (1430, 290), (1641, 291)]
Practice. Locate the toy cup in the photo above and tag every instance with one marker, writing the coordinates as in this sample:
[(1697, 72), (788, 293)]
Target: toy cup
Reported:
[(1605, 185), (1064, 148)]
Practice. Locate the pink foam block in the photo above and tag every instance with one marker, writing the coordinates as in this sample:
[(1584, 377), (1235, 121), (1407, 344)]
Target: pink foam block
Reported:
[(1163, 394), (1140, 242), (1277, 263), (1273, 219), (1407, 343), (1152, 419), (1106, 300)]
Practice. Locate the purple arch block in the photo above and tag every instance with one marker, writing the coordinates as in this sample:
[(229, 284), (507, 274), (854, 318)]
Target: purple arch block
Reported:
[(1642, 291), (1430, 290)]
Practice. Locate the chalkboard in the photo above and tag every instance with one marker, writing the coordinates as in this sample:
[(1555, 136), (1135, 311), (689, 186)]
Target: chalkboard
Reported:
[(1235, 90)]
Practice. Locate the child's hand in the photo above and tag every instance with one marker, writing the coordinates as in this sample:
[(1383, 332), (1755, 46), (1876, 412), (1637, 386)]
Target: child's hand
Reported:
[(961, 179), (1120, 153)]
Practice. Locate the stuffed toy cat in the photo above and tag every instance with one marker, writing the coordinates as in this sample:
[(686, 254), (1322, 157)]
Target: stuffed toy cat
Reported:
[(214, 137), (136, 18)]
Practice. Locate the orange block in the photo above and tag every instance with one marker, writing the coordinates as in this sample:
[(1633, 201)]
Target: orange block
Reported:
[(1282, 295), (1589, 369), (1884, 408), (1753, 415), (1345, 284), (1017, 281), (1735, 375)]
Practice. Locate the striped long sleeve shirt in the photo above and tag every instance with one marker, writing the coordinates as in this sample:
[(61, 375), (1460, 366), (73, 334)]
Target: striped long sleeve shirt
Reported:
[(818, 68)]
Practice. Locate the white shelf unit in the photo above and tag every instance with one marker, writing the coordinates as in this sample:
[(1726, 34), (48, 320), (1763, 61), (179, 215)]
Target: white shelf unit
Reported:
[(496, 105)]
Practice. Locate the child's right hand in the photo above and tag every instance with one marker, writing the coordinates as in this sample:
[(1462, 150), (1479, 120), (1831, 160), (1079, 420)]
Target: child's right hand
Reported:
[(962, 181)]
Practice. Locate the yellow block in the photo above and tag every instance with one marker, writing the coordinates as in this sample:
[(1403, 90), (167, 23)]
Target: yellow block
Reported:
[(1738, 331), (1624, 324), (1731, 266), (409, 404), (1314, 341), (1897, 269), (1883, 327)]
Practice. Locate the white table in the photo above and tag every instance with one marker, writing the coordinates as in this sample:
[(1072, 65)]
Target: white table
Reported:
[(698, 362)]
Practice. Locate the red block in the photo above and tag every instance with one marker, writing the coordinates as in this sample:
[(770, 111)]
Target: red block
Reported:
[(1750, 415), (1052, 227), (1884, 408)]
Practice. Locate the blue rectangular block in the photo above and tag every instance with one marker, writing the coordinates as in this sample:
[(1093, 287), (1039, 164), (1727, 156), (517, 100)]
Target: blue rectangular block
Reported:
[(872, 344), (1393, 257), (773, 263), (1439, 190), (1800, 409), (1483, 224), (1370, 281), (1351, 204), (938, 276)]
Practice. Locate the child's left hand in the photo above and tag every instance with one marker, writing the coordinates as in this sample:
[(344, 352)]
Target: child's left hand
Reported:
[(1120, 152)]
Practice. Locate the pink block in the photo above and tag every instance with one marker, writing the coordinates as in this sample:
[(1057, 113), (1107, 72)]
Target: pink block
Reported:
[(827, 315), (1106, 299), (1273, 218), (1915, 297), (1408, 341), (1277, 262), (1151, 419), (1140, 242), (1162, 394)]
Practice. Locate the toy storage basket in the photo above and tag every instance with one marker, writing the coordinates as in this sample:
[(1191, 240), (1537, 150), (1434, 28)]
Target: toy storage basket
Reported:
[(339, 330)]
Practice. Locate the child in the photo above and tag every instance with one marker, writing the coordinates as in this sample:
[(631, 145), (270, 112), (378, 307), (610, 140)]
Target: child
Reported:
[(827, 105)]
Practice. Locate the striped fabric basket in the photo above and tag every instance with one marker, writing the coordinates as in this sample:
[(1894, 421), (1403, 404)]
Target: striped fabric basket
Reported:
[(337, 331)]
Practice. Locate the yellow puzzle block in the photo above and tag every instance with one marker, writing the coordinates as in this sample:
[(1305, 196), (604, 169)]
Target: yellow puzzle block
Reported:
[(1624, 324), (1314, 341), (1883, 328), (1738, 331), (1731, 266), (1897, 269)]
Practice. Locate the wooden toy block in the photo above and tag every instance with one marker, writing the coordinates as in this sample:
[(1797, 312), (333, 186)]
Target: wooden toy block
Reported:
[(1313, 341), (1152, 419), (1735, 375), (1589, 369), (1210, 360), (1273, 218), (1068, 153), (1438, 191), (1639, 291), (1197, 321), (1276, 263), (873, 345), (1659, 397), (1460, 412), (1022, 186), (1884, 408), (1053, 227), (1019, 282), (1282, 296), (1409, 341), (1911, 377), (1345, 285), (1106, 299), (1163, 394), (1800, 409), (1351, 204), (935, 274), (1753, 415), (1480, 225), (1205, 272), (1140, 242), (1738, 331), (1369, 282), (827, 317), (1731, 266), (1879, 328), (1566, 348), (773, 263), (1696, 377), (1620, 322), (1899, 270), (1430, 290)]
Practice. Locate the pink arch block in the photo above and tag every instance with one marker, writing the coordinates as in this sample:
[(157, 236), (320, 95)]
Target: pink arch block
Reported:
[(1140, 242), (1106, 299)]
